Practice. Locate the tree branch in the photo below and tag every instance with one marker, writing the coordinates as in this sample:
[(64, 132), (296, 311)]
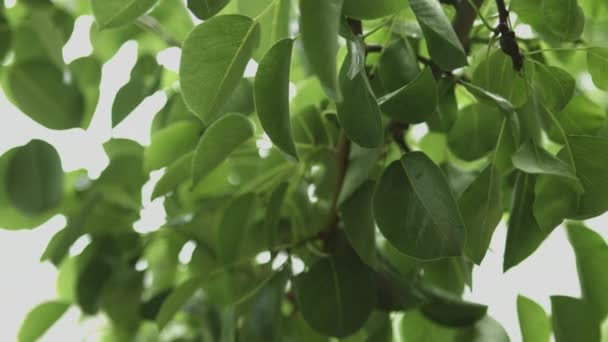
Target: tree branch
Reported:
[(508, 42), (463, 22)]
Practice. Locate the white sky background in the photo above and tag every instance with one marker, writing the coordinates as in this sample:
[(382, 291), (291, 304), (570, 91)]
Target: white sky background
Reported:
[(24, 282)]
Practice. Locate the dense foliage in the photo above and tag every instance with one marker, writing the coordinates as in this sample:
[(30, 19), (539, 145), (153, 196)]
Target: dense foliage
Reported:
[(347, 227)]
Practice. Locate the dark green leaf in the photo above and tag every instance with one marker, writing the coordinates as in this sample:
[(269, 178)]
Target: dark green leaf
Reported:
[(536, 160), (574, 320), (414, 102), (272, 96), (218, 142), (442, 43), (481, 208), (475, 132), (320, 24), (359, 225), (448, 310), (416, 211), (533, 321), (214, 57), (34, 178), (273, 214), (40, 319)]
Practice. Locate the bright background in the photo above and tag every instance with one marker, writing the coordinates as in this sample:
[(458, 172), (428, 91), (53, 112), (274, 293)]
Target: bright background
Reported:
[(25, 282)]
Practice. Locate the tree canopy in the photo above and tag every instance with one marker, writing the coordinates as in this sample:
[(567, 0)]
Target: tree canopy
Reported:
[(315, 211)]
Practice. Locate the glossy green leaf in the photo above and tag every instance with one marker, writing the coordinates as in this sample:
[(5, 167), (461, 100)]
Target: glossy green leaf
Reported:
[(214, 57), (533, 321), (336, 296), (574, 320), (359, 225), (442, 43), (591, 253), (176, 300), (497, 75), (40, 319), (362, 9), (40, 91), (272, 96), (523, 235), (34, 178), (535, 160), (359, 113), (231, 229), (564, 18), (205, 9), (113, 13), (414, 102), (218, 142), (320, 24), (475, 132), (481, 208), (597, 61), (398, 65), (170, 143), (416, 211)]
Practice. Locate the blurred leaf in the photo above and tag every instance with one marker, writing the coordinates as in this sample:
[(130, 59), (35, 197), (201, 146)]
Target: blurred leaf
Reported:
[(40, 319), (533, 321)]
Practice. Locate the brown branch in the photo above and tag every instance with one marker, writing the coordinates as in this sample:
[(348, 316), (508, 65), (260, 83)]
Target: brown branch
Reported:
[(463, 22), (508, 42)]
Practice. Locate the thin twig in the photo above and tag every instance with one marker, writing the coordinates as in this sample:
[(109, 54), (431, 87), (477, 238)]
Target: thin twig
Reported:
[(151, 25)]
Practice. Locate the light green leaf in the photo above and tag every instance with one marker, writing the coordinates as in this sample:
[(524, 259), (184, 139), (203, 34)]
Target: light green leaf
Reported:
[(414, 102), (320, 24), (486, 329), (554, 85), (580, 117), (40, 91), (597, 62), (274, 18), (336, 296), (591, 253), (523, 235), (87, 73), (475, 132), (497, 75), (364, 9), (176, 300), (205, 9), (481, 208), (40, 319), (574, 320), (170, 143), (271, 90), (232, 227), (113, 13), (359, 113), (536, 160), (442, 43), (359, 225), (34, 178), (533, 321), (416, 211), (417, 328), (214, 57), (564, 18)]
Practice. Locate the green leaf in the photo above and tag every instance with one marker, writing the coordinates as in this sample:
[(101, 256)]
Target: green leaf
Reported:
[(145, 79), (574, 320), (205, 9), (554, 85), (442, 43), (591, 253), (358, 219), (475, 132), (597, 62), (232, 227), (40, 319), (176, 300), (272, 96), (214, 57), (486, 329), (523, 235), (87, 73), (336, 295), (6, 37), (274, 18), (90, 283), (114, 13), (536, 160), (414, 102), (416, 211), (320, 24), (359, 113), (363, 9), (34, 178), (218, 142), (533, 321), (39, 90), (481, 208), (580, 117), (273, 214), (361, 164), (398, 65), (170, 143), (497, 75), (120, 299), (448, 310), (564, 18)]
